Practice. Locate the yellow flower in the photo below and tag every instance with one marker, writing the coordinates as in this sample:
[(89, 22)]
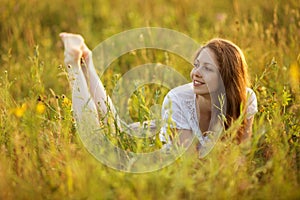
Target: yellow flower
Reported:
[(294, 76), (66, 102), (40, 107), (19, 111)]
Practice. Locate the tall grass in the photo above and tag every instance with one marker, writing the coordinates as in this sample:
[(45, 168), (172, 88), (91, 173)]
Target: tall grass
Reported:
[(42, 157)]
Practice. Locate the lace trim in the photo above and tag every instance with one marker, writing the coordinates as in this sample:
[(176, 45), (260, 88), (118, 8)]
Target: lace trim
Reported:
[(192, 116)]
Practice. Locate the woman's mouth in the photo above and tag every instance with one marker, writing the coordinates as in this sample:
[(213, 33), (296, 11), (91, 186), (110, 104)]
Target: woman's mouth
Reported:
[(198, 83)]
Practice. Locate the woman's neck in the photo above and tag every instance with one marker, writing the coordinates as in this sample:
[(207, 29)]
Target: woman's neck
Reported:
[(204, 104)]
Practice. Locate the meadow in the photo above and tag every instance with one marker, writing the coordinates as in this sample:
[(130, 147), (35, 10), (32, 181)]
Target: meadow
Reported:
[(42, 156)]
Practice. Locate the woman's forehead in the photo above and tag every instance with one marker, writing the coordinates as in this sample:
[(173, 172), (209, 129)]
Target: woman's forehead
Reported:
[(206, 56)]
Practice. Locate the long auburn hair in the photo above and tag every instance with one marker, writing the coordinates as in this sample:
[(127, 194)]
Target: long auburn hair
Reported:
[(234, 72)]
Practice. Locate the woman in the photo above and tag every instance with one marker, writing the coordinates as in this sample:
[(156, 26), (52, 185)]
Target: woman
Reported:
[(195, 108), (218, 61)]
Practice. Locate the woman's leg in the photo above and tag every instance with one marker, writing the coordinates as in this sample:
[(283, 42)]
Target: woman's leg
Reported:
[(82, 101), (97, 90), (86, 85)]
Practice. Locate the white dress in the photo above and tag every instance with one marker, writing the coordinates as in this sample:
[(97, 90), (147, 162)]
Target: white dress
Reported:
[(179, 107)]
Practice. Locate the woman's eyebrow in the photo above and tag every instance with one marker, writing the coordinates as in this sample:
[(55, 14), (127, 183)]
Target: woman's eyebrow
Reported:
[(206, 63)]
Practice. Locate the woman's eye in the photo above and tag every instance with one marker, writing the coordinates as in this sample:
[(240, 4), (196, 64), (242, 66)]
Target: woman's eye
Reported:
[(196, 63), (207, 68)]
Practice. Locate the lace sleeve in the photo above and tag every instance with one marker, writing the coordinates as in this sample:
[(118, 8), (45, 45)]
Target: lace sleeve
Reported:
[(172, 115)]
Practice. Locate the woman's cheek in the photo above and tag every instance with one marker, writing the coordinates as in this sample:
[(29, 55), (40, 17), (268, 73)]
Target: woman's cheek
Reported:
[(191, 73)]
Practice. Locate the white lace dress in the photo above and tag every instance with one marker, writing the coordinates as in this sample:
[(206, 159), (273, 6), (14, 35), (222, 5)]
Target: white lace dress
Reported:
[(179, 106)]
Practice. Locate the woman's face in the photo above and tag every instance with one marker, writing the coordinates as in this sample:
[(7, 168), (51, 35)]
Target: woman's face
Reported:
[(205, 73)]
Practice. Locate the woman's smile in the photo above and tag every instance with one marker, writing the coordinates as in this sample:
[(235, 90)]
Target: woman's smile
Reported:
[(198, 83)]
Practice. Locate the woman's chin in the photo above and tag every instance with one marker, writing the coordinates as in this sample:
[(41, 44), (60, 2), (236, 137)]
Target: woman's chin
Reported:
[(201, 91)]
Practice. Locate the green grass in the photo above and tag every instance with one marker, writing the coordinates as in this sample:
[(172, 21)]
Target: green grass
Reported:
[(42, 157)]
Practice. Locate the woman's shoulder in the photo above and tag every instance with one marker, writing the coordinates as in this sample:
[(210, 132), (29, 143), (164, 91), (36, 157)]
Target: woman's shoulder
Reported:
[(250, 94), (180, 95), (183, 91), (251, 103), (249, 91)]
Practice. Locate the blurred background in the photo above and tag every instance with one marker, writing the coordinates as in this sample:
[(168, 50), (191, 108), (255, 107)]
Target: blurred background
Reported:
[(262, 29)]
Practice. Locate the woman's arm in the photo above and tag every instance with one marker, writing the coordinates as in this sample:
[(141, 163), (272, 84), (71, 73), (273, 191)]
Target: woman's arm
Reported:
[(248, 129), (182, 137)]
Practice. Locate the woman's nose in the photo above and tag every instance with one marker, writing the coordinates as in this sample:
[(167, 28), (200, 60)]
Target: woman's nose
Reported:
[(198, 72), (198, 75)]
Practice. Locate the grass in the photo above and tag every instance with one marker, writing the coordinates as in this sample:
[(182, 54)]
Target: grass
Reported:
[(42, 157)]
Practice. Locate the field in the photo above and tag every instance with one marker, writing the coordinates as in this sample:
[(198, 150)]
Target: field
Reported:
[(42, 156)]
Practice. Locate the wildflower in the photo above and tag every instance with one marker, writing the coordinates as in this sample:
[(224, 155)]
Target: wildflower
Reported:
[(66, 101), (294, 76), (40, 107), (19, 111)]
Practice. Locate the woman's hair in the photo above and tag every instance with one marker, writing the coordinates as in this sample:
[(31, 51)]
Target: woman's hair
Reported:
[(233, 70)]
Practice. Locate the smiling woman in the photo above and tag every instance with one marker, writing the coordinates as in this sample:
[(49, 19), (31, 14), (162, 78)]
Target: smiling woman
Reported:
[(195, 109), (218, 63)]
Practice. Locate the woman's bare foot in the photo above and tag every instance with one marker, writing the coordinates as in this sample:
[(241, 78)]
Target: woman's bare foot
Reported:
[(75, 48)]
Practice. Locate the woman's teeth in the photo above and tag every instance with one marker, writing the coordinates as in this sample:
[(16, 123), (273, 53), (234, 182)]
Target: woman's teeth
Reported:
[(197, 83)]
